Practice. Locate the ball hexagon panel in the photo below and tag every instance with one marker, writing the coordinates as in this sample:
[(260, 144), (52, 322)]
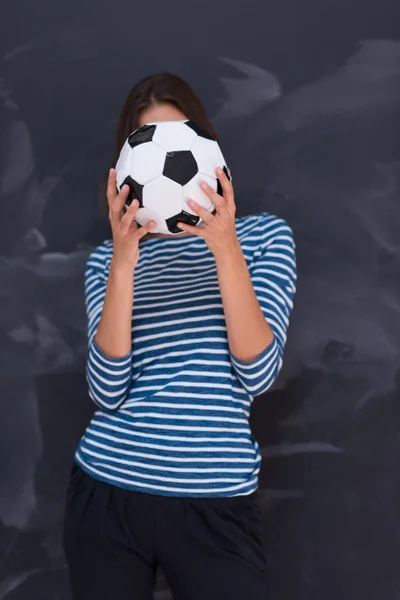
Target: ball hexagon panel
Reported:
[(149, 165), (136, 190), (163, 196), (180, 166), (174, 135), (207, 155), (141, 136), (192, 190), (124, 154), (199, 130), (218, 156), (144, 215)]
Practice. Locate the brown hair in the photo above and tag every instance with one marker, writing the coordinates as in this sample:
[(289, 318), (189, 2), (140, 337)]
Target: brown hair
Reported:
[(154, 89)]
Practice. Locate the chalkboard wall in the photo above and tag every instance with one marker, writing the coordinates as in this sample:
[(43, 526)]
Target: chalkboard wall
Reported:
[(305, 96)]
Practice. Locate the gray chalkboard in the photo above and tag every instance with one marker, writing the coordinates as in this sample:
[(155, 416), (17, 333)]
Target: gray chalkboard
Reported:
[(305, 95)]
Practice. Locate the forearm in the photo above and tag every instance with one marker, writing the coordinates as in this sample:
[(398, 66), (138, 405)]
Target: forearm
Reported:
[(114, 332), (248, 332)]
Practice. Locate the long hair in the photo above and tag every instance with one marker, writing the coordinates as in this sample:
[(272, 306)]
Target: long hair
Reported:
[(154, 89)]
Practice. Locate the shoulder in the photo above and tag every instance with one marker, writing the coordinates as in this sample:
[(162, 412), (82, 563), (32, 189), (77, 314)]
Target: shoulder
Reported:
[(100, 257), (268, 241), (264, 228)]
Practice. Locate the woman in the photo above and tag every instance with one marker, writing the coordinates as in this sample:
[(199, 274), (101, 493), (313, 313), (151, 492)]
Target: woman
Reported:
[(183, 332)]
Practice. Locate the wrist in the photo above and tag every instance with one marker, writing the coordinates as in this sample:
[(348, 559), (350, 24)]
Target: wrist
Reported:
[(229, 254), (123, 266)]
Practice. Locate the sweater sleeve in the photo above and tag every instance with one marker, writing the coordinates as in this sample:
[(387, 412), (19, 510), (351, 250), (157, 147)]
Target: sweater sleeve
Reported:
[(273, 274), (108, 378)]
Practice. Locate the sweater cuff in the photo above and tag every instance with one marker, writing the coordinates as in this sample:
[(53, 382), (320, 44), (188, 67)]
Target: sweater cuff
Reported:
[(108, 360), (260, 358)]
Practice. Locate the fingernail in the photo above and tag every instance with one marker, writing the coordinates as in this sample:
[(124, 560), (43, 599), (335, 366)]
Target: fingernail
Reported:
[(203, 185)]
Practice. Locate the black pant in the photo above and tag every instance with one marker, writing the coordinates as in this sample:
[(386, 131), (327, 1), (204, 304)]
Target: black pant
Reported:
[(114, 539)]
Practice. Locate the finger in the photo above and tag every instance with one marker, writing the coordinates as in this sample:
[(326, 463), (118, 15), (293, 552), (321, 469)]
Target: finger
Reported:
[(129, 216), (142, 231), (118, 204), (111, 187), (227, 188), (195, 230), (202, 212), (215, 198)]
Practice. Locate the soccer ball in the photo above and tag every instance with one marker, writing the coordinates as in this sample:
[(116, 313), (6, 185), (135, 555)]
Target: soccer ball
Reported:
[(163, 164)]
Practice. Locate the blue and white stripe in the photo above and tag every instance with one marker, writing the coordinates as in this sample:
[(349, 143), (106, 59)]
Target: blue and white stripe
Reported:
[(173, 414)]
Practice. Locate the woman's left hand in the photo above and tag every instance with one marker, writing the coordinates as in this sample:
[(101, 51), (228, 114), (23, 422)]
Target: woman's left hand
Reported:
[(219, 231)]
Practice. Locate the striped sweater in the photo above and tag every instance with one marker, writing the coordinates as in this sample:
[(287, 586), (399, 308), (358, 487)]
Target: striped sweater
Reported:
[(172, 416)]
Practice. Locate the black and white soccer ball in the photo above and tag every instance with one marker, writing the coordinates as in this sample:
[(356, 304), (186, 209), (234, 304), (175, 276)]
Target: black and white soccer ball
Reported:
[(163, 164)]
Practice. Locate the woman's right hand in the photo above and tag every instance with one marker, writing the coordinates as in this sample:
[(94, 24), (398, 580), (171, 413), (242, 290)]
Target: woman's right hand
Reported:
[(126, 234)]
